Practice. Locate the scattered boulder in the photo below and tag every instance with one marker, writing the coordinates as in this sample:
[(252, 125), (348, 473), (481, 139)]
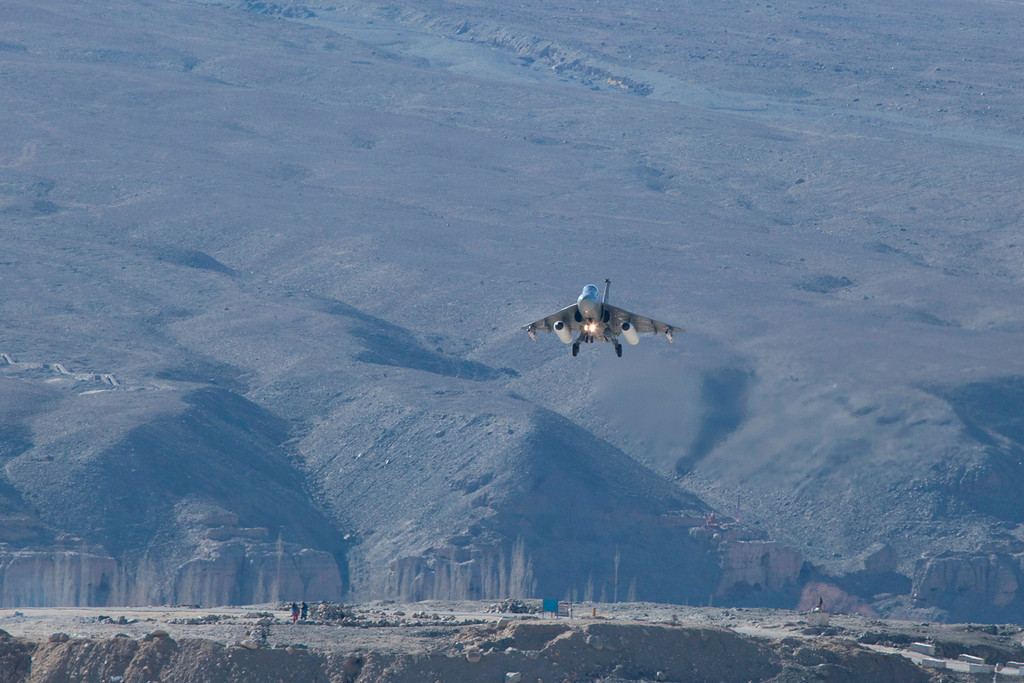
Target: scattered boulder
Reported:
[(514, 606), (328, 611)]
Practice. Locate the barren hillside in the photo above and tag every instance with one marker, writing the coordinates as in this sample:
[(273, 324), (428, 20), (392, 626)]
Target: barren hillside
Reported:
[(264, 268)]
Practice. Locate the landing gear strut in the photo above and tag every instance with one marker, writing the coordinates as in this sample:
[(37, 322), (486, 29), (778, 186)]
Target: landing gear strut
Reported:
[(575, 348), (618, 350)]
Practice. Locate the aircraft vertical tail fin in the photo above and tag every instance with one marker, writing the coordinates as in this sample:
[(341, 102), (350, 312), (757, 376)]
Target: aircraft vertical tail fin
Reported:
[(607, 286)]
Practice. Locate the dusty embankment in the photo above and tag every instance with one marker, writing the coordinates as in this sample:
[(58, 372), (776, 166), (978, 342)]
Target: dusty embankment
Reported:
[(466, 642)]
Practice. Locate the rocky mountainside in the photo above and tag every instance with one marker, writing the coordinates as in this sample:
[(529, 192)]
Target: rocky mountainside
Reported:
[(264, 268)]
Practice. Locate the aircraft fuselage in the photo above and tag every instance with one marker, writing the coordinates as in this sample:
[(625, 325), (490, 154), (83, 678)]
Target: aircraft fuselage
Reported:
[(592, 317), (589, 304)]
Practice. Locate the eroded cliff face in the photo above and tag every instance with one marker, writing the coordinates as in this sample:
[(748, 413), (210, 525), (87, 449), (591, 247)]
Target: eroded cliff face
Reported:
[(223, 574), (55, 576), (758, 566), (970, 584), (236, 573), (748, 562)]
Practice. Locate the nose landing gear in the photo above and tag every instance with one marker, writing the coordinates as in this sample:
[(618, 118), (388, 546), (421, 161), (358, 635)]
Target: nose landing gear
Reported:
[(587, 336)]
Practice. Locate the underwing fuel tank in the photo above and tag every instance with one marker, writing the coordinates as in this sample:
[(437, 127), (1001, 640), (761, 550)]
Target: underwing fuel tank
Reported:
[(630, 335), (563, 331)]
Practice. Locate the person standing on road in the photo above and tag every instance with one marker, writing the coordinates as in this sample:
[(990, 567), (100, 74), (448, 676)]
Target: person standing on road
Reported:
[(305, 611), (295, 612)]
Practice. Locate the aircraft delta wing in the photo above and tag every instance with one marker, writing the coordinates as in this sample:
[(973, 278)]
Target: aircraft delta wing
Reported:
[(597, 320), (567, 315), (617, 316), (640, 323)]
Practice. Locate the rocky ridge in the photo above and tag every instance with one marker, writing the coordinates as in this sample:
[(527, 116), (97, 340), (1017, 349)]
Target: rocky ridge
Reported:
[(404, 646)]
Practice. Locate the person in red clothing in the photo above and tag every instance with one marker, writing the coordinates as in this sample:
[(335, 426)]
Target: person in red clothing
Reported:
[(295, 613)]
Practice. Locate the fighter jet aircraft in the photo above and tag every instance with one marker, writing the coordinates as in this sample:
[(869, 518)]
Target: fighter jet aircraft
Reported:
[(598, 320)]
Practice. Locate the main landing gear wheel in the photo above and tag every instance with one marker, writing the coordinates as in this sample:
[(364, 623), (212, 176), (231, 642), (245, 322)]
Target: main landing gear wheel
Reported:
[(575, 349), (618, 350)]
